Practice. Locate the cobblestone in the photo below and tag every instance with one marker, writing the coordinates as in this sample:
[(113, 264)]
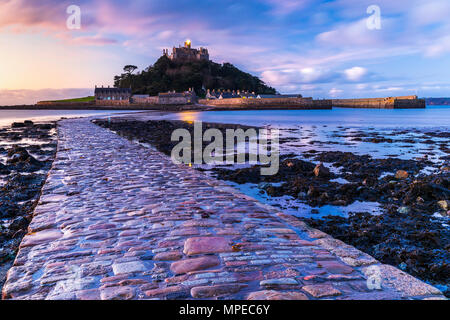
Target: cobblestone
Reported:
[(117, 220)]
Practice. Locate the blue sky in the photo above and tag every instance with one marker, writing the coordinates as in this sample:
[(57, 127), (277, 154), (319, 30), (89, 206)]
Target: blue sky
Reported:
[(322, 49)]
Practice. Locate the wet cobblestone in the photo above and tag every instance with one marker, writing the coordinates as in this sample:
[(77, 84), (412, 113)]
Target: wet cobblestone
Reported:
[(120, 221)]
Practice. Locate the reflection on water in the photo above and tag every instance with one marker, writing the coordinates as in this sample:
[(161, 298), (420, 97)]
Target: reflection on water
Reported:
[(381, 133), (9, 116), (296, 207), (189, 116), (335, 130), (432, 116)]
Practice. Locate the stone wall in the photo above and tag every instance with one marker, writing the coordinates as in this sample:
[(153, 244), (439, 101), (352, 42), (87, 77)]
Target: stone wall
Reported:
[(112, 102), (404, 102), (174, 100), (146, 100), (270, 103), (59, 103), (409, 104)]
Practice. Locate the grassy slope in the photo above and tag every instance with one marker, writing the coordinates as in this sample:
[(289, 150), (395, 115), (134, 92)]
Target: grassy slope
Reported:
[(85, 99)]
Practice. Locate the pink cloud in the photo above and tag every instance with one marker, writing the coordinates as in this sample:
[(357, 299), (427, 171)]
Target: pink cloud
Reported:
[(95, 40), (283, 7), (23, 13), (26, 97)]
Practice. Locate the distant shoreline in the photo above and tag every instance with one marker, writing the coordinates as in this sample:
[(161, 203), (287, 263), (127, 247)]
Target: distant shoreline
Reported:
[(101, 108)]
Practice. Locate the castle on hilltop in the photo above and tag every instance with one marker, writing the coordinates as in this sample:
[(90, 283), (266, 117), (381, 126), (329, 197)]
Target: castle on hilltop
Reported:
[(187, 53)]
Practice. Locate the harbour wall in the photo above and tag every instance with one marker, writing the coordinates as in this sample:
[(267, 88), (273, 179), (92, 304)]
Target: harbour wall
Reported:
[(270, 103), (403, 102)]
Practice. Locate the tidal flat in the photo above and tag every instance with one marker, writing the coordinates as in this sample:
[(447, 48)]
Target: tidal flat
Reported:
[(27, 150)]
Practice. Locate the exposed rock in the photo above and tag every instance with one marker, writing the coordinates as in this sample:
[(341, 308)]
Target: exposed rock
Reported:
[(19, 159), (19, 223), (443, 204), (321, 171), (18, 125), (403, 210), (4, 169), (401, 174)]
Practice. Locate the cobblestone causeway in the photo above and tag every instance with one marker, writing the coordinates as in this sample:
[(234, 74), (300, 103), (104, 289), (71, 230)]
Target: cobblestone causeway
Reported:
[(120, 221)]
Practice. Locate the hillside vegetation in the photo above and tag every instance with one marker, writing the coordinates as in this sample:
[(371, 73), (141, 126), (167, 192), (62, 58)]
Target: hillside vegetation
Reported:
[(84, 99), (166, 75)]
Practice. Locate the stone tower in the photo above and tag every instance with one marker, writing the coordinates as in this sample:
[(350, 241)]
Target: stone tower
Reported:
[(187, 52)]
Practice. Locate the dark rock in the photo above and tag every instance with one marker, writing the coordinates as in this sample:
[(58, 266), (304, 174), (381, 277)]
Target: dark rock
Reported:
[(4, 169), (9, 209), (19, 223), (321, 171), (17, 154), (19, 159), (45, 126), (18, 125), (443, 205)]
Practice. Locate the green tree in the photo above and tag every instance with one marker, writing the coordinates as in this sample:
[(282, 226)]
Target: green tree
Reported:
[(129, 69), (166, 75)]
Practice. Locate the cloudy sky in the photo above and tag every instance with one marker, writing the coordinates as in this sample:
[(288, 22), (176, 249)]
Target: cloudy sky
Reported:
[(318, 48)]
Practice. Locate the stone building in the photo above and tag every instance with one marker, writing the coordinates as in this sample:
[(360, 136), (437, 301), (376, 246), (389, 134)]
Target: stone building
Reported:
[(112, 94), (187, 53), (144, 99), (229, 94), (273, 96), (174, 98)]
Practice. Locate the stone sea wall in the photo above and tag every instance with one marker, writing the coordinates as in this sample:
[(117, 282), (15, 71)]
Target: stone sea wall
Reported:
[(67, 104), (112, 102), (270, 103), (145, 100), (404, 102)]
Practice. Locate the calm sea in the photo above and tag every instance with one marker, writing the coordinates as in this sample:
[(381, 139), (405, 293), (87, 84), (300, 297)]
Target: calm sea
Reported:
[(9, 116), (432, 116), (332, 130)]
